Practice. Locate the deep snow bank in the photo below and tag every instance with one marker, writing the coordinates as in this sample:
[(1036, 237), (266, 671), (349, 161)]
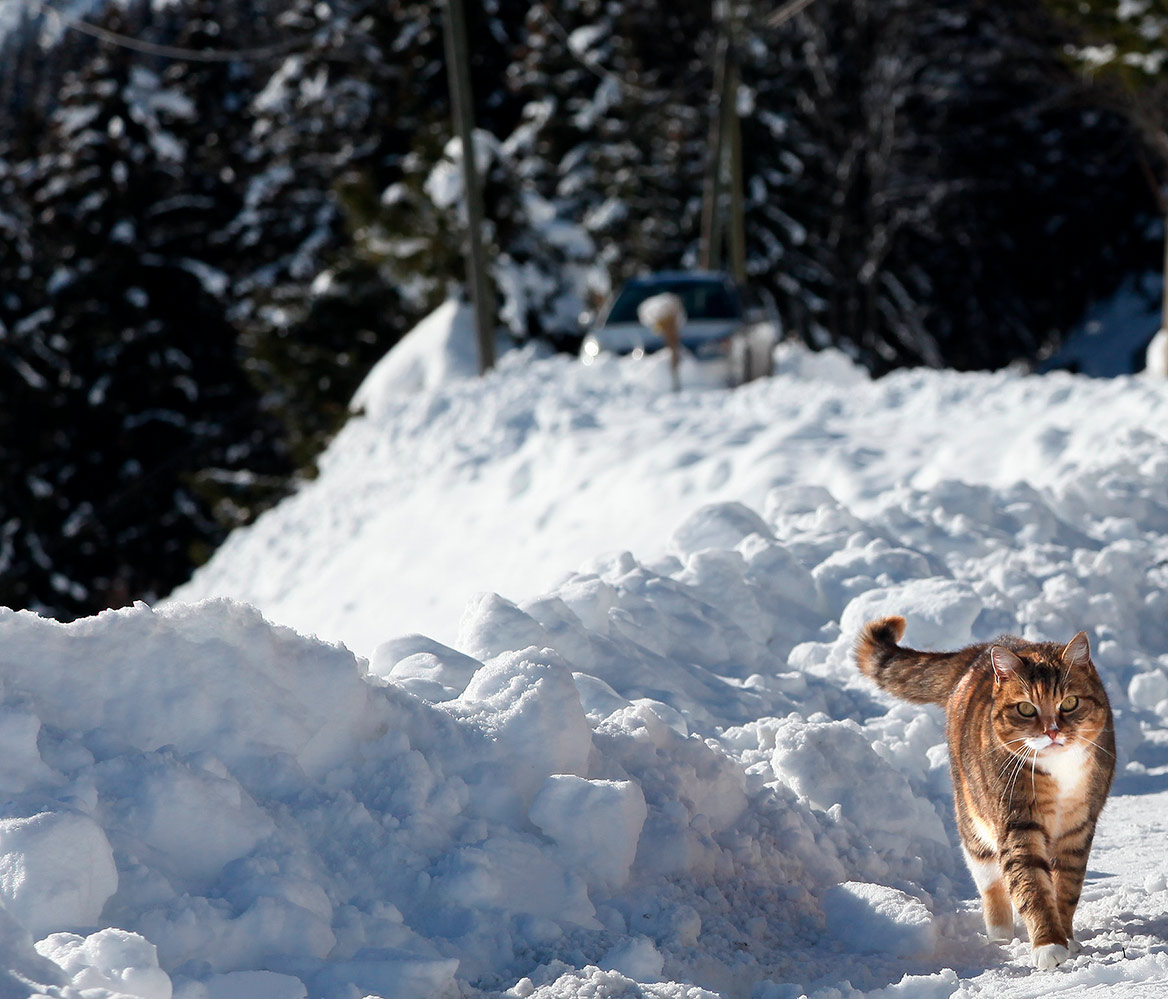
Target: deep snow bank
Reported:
[(652, 773), (656, 771), (246, 801)]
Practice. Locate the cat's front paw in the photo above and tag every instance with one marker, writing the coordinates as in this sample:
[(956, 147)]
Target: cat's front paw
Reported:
[(1049, 956)]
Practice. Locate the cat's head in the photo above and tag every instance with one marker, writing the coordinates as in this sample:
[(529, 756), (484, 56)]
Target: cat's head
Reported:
[(1046, 700)]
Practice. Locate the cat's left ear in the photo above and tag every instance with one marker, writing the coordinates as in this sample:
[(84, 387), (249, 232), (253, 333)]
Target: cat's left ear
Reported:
[(1078, 651)]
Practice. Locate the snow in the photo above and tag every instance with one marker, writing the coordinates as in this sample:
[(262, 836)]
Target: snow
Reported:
[(875, 919), (543, 689), (659, 310), (440, 349), (1156, 358)]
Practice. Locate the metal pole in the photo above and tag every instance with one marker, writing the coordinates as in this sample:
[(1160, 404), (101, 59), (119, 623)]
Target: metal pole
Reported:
[(458, 72)]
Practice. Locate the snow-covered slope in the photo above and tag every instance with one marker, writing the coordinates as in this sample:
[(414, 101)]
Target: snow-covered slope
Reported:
[(653, 770), (507, 484)]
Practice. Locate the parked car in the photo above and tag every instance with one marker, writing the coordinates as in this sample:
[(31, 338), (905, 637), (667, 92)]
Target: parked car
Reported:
[(722, 326)]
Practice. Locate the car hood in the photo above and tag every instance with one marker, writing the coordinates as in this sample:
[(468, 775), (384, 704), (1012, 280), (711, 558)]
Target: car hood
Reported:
[(625, 337)]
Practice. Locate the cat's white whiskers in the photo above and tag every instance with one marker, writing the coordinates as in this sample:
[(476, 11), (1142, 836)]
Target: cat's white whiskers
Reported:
[(1097, 746), (1000, 747), (1014, 775)]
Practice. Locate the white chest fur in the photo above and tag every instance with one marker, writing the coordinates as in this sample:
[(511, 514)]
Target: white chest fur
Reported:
[(1069, 772)]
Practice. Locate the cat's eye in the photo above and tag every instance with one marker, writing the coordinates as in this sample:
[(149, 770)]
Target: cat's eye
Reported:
[(1027, 710), (1069, 703)]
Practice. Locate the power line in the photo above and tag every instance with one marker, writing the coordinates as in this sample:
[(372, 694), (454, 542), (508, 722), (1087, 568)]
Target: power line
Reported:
[(262, 54)]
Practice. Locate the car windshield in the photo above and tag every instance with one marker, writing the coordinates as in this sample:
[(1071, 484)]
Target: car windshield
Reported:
[(702, 299)]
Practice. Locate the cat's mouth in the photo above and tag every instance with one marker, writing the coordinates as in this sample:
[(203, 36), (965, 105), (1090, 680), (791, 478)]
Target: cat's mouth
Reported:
[(1047, 743)]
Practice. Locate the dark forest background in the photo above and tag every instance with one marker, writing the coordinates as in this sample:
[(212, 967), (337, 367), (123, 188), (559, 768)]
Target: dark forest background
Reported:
[(201, 257)]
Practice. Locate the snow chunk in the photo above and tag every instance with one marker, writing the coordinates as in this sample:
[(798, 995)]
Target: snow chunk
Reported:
[(56, 869), (21, 765), (595, 823), (717, 525), (940, 612), (830, 366), (122, 962), (1146, 690), (596, 983), (424, 667), (400, 975), (213, 677), (875, 919), (244, 985), (637, 958), (516, 877), (491, 625), (527, 703), (834, 767), (196, 820)]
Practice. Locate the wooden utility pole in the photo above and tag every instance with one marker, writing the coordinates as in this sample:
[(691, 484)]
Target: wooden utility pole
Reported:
[(458, 73), (736, 236), (711, 252), (724, 169)]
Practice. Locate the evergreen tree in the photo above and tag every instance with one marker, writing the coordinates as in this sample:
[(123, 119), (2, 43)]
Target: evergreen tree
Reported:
[(1121, 50), (313, 316), (139, 439), (914, 177)]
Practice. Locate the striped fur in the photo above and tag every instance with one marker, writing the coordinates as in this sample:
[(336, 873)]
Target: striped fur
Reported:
[(1032, 755)]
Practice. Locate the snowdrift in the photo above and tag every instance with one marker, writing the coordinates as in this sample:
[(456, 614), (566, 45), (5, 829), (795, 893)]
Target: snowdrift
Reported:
[(660, 776)]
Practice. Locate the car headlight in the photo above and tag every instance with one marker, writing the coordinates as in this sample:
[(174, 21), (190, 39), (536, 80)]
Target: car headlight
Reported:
[(589, 350)]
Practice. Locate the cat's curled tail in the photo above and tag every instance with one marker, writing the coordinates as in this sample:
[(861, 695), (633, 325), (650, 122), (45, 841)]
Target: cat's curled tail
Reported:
[(923, 677)]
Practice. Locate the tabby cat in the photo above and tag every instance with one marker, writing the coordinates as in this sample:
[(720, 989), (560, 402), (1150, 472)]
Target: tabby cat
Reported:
[(1032, 753)]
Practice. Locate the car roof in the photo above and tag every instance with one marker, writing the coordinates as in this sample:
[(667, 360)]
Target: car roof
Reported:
[(675, 277)]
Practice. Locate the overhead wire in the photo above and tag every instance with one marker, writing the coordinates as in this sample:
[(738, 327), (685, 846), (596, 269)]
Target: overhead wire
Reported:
[(265, 53)]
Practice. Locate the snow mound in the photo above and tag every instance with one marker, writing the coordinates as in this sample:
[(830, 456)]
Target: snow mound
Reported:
[(875, 919), (1156, 358), (440, 348)]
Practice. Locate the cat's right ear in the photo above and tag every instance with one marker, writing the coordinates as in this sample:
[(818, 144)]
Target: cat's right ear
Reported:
[(1004, 661), (1078, 650)]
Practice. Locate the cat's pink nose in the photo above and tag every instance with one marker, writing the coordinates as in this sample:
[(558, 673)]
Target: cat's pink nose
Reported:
[(1052, 734)]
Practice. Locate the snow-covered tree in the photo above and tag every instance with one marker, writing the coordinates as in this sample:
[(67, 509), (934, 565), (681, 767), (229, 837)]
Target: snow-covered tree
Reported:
[(1121, 48), (915, 181), (137, 437)]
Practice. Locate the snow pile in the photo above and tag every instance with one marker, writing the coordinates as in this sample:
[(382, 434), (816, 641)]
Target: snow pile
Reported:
[(248, 801), (439, 349), (874, 919), (1156, 358), (657, 774)]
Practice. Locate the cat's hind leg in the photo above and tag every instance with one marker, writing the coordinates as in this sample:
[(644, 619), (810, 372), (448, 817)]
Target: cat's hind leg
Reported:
[(996, 908)]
